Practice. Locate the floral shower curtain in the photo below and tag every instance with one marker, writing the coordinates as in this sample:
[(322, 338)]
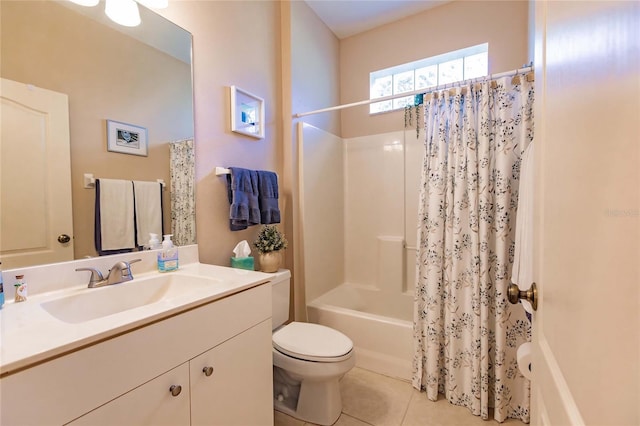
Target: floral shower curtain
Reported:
[(183, 209), (466, 333)]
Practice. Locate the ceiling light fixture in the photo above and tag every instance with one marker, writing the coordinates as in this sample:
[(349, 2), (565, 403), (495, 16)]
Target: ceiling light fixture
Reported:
[(123, 12)]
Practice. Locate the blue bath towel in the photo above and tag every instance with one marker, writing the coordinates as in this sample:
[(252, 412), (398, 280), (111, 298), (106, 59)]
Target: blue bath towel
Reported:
[(242, 187), (268, 197)]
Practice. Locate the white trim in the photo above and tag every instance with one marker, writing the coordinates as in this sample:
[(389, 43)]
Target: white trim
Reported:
[(572, 411)]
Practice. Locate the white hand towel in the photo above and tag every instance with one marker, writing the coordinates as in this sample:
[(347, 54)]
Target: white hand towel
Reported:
[(116, 214), (148, 209), (522, 272)]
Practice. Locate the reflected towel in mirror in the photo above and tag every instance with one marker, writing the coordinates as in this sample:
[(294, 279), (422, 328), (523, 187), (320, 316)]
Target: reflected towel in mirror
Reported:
[(148, 210), (114, 216)]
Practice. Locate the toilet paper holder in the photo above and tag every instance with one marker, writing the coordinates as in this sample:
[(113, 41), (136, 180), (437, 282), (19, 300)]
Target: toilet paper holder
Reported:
[(514, 294)]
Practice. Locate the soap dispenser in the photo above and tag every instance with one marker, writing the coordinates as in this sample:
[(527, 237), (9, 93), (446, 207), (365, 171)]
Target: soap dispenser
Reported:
[(168, 256), (154, 242)]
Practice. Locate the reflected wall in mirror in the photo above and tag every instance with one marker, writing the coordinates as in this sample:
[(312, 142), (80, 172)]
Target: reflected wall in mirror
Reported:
[(107, 74)]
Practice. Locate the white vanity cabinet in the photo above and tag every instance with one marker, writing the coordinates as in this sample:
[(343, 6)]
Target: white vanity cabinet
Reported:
[(234, 392), (149, 404), (126, 379)]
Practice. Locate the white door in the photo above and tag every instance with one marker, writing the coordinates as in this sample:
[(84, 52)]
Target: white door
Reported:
[(587, 329), (35, 176)]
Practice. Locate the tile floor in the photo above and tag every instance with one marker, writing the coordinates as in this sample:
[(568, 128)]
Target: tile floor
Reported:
[(372, 399)]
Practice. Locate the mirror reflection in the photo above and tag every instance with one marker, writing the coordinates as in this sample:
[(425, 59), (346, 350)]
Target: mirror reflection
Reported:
[(140, 76)]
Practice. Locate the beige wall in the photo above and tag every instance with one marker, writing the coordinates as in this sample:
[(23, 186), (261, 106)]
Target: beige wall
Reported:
[(455, 25), (315, 68), (254, 46), (107, 75), (282, 52), (234, 43)]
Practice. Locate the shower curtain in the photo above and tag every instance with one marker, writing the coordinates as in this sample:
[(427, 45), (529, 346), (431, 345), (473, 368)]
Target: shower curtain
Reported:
[(466, 333)]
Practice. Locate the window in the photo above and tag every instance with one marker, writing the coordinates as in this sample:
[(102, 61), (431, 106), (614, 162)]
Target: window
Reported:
[(458, 65)]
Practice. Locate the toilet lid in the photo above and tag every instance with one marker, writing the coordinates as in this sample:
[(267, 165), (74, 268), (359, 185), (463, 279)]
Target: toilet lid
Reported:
[(312, 342)]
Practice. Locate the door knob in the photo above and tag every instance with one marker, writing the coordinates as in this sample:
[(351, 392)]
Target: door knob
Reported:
[(63, 238), (514, 294), (207, 371)]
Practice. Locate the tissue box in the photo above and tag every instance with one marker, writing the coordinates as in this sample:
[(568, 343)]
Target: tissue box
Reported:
[(242, 262)]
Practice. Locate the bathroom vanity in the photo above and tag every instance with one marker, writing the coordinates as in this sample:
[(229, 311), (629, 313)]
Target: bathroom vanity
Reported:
[(195, 349)]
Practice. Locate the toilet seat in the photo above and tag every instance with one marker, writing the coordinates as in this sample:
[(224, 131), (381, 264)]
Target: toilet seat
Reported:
[(312, 342)]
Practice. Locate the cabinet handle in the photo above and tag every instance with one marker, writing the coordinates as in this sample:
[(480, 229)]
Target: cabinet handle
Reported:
[(175, 390), (207, 371)]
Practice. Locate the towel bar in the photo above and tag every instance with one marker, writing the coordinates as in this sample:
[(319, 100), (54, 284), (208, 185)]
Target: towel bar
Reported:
[(221, 171), (90, 181)]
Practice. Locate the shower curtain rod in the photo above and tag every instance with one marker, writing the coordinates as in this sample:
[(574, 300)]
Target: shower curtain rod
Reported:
[(415, 92)]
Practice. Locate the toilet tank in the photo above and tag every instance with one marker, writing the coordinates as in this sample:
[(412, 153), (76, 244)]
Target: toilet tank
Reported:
[(280, 289)]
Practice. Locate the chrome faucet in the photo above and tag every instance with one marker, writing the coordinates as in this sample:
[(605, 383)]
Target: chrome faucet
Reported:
[(119, 273)]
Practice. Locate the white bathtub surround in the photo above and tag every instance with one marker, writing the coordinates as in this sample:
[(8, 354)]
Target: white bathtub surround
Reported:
[(322, 180), (374, 206), (466, 331), (391, 264), (358, 270), (380, 327)]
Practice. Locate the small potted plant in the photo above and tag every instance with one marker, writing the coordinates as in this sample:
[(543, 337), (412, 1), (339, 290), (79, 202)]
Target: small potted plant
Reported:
[(269, 242)]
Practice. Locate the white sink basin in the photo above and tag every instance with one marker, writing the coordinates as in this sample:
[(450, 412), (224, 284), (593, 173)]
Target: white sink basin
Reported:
[(92, 303)]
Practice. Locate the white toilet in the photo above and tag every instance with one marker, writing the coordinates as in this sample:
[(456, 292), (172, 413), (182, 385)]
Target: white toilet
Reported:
[(308, 362)]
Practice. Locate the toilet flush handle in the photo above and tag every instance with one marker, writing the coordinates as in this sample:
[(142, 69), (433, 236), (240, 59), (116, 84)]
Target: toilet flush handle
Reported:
[(207, 371)]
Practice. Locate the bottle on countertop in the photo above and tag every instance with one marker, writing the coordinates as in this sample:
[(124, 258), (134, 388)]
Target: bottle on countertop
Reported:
[(21, 289), (1, 288), (154, 242), (168, 257)]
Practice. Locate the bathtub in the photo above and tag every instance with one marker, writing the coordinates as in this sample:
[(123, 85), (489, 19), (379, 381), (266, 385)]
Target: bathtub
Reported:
[(379, 323)]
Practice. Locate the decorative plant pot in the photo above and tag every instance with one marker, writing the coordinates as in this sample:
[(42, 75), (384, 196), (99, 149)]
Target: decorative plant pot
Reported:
[(270, 262)]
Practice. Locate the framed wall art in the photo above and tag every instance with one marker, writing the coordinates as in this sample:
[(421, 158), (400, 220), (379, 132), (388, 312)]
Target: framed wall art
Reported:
[(247, 113), (126, 138)]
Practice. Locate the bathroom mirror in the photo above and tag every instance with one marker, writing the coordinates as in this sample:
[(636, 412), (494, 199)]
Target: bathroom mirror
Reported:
[(141, 76)]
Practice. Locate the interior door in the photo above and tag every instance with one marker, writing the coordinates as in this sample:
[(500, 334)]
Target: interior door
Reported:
[(587, 328), (35, 176)]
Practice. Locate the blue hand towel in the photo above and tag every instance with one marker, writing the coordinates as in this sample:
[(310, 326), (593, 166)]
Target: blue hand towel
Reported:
[(242, 186), (268, 197)]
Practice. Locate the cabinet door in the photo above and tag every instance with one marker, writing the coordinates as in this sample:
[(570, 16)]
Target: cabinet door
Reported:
[(149, 404), (239, 390)]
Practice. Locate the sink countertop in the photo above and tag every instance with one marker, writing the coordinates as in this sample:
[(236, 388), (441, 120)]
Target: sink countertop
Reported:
[(29, 334)]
